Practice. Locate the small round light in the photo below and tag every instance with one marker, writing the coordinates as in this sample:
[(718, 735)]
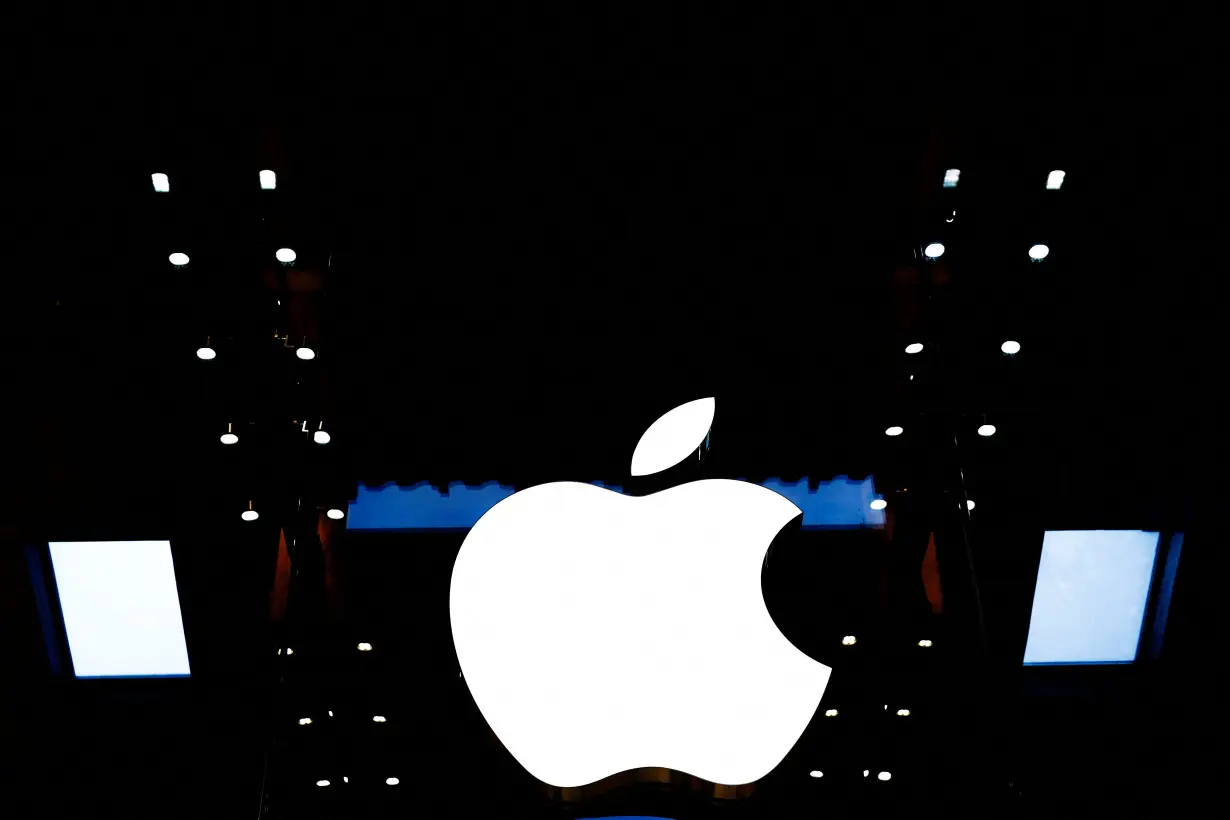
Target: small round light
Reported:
[(1011, 347), (894, 431), (879, 504), (903, 713), (914, 347), (336, 514), (986, 430), (178, 259), (321, 437), (830, 713), (969, 504), (285, 255), (229, 438), (378, 719), (305, 721), (392, 781), (816, 773), (289, 651), (924, 643), (365, 647), (305, 353), (252, 515), (849, 640), (322, 783), (865, 772), (206, 353), (884, 776), (933, 251), (1038, 252), (330, 713)]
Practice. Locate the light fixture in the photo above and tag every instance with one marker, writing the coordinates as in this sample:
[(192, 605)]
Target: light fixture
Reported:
[(378, 719), (914, 347), (986, 430), (305, 353), (322, 783), (161, 184), (392, 781), (933, 251), (1038, 252), (969, 504), (178, 259), (345, 779), (251, 515), (865, 772), (903, 713), (894, 431), (849, 640), (330, 713), (269, 180), (228, 437), (879, 504), (924, 643), (206, 353), (289, 651), (1054, 180), (305, 721), (1011, 347), (321, 437), (365, 647), (285, 255), (830, 713), (951, 177), (816, 773), (336, 514), (279, 650), (884, 776)]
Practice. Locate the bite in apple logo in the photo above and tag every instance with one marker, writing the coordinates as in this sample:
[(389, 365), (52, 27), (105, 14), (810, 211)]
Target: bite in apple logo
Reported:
[(600, 632)]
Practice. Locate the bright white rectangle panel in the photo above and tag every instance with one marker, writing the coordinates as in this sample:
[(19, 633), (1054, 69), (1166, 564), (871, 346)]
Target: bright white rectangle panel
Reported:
[(121, 608), (1089, 602)]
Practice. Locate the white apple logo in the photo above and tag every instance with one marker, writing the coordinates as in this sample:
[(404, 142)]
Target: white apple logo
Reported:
[(600, 632)]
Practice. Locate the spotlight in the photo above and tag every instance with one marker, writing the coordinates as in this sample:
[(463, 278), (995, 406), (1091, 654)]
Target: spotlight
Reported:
[(903, 713), (969, 504), (161, 184), (285, 255), (924, 643), (914, 347), (322, 783), (830, 713), (884, 776), (1054, 180), (849, 640), (206, 353), (933, 251), (1011, 348), (228, 437), (1038, 252), (816, 773), (251, 515), (894, 431), (378, 719), (305, 353), (305, 721), (951, 177), (336, 514), (178, 259), (986, 430), (365, 647), (392, 781), (321, 437), (879, 504), (269, 180)]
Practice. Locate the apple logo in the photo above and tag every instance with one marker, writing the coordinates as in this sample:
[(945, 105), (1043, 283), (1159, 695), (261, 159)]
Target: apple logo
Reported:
[(600, 632)]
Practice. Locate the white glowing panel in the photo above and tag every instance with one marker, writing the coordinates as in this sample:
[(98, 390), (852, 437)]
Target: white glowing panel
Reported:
[(121, 608), (600, 632), (1089, 602)]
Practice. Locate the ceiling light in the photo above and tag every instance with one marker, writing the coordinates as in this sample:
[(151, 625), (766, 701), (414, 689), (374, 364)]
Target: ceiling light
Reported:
[(903, 713), (330, 713), (924, 643), (178, 259), (336, 514), (305, 353), (392, 781), (378, 719), (816, 773), (865, 772), (285, 255), (914, 347), (321, 437), (269, 180), (969, 504), (305, 721), (289, 651), (894, 431), (365, 647), (251, 515), (345, 779), (830, 713), (161, 184), (933, 251), (1054, 180), (322, 783), (951, 177), (205, 353), (849, 640), (1038, 252), (879, 504), (228, 437), (884, 776), (1011, 347), (986, 430)]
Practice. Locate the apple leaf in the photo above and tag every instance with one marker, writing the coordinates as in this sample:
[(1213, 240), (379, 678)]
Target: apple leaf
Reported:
[(673, 437)]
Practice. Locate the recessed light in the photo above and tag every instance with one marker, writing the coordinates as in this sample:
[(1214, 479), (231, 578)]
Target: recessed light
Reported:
[(178, 259), (1054, 180), (251, 515), (849, 640), (322, 783), (330, 713), (986, 430), (924, 643), (285, 255), (392, 781), (830, 713), (161, 184), (336, 514), (816, 773), (289, 651), (884, 776), (933, 251), (903, 713), (914, 347), (1011, 347), (951, 177), (894, 431), (969, 504), (879, 504), (269, 180), (365, 647), (1038, 252), (305, 721), (206, 353), (345, 779), (865, 772), (321, 437), (378, 719), (305, 353)]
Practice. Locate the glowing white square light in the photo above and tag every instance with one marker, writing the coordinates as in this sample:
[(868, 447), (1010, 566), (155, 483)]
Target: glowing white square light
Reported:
[(1054, 180), (951, 177), (269, 180), (1089, 601), (121, 608), (161, 184)]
